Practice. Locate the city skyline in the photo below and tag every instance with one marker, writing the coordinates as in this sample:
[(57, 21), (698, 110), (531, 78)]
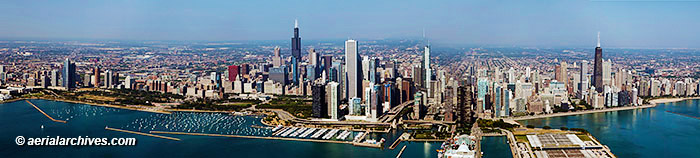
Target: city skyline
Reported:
[(550, 23), (478, 79)]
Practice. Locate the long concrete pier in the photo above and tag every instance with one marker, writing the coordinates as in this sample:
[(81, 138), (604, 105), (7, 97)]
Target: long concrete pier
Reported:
[(139, 133), (42, 111), (401, 152), (683, 114)]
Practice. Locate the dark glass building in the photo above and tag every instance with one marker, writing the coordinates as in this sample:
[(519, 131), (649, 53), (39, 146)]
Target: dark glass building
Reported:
[(319, 105), (598, 69), (69, 75), (296, 53)]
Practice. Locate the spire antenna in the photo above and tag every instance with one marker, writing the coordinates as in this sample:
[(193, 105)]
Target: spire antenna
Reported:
[(296, 23), (598, 38)]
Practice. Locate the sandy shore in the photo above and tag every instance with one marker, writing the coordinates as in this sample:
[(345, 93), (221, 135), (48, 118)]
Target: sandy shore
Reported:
[(669, 100), (653, 102)]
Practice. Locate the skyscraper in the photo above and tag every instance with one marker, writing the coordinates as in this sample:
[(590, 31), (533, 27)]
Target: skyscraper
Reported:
[(233, 72), (315, 61), (327, 64), (498, 101), (314, 58), (598, 69), (319, 104), (372, 70), (277, 59), (354, 75), (2, 73), (279, 74), (583, 86), (216, 78), (128, 82), (54, 78), (296, 53), (109, 79), (333, 93), (607, 73), (96, 83), (68, 74), (296, 42), (426, 66)]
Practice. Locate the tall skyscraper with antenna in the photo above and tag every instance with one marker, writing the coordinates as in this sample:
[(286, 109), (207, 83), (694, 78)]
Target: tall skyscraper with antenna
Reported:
[(598, 69), (426, 66), (296, 53), (296, 42)]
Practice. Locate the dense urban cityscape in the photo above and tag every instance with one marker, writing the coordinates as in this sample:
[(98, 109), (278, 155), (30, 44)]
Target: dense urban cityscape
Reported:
[(354, 97), (371, 86)]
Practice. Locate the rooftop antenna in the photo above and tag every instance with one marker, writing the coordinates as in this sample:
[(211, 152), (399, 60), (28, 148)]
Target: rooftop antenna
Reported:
[(598, 38), (296, 24), (425, 41)]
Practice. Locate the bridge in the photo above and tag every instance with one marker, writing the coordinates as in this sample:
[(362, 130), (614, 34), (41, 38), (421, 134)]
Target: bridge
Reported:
[(393, 112)]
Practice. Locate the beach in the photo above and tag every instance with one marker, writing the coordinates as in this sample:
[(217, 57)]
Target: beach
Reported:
[(653, 103)]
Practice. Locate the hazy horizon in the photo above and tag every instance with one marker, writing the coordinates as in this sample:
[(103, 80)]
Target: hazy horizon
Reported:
[(623, 24)]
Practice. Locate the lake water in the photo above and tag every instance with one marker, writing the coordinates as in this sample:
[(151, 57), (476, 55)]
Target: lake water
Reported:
[(21, 119), (495, 147), (667, 130)]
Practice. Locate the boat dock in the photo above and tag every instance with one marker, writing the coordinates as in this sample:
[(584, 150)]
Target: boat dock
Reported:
[(139, 133), (318, 134), (252, 137), (401, 152), (396, 143), (42, 111), (307, 133)]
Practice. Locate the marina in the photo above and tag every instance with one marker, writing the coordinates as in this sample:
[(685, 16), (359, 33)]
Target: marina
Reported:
[(216, 128)]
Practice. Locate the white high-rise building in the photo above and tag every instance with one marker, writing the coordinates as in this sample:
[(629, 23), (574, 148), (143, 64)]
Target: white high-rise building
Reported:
[(426, 65), (584, 80), (511, 75), (354, 75), (109, 76), (607, 73), (277, 59), (314, 58), (54, 78), (333, 92), (128, 82)]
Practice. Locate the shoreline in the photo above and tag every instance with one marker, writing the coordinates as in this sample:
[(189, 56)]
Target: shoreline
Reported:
[(652, 104), (164, 111), (108, 105), (91, 104)]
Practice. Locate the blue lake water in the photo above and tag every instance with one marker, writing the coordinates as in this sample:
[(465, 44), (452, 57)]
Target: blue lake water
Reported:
[(667, 130), (21, 119), (495, 147)]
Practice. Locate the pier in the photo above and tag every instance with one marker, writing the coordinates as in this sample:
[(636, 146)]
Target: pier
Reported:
[(251, 137), (401, 152), (683, 114), (396, 143), (37, 108), (139, 133)]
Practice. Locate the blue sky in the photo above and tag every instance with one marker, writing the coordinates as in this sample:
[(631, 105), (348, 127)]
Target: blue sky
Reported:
[(622, 23)]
